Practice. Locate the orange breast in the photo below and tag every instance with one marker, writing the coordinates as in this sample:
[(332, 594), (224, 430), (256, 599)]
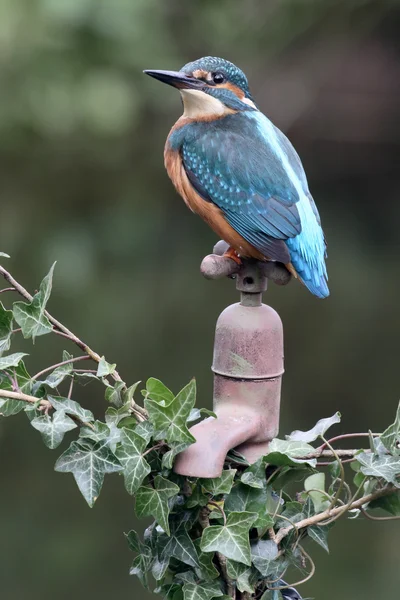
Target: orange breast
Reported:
[(208, 211)]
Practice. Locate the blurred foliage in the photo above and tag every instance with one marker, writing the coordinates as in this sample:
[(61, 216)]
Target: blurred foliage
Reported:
[(82, 182)]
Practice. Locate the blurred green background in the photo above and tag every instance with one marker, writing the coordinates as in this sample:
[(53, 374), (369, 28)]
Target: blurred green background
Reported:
[(82, 182)]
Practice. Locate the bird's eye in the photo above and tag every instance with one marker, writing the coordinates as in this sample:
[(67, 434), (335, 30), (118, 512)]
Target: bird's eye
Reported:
[(218, 78)]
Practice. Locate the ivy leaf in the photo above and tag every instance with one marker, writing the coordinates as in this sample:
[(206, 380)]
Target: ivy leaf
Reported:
[(197, 413), (145, 429), (130, 455), (384, 466), (317, 431), (88, 462), (71, 407), (141, 564), (169, 457), (171, 419), (289, 453), (320, 535), (244, 576), (232, 539), (158, 392), (313, 482), (180, 546), (154, 501), (113, 394), (219, 485), (246, 499), (263, 554), (389, 503), (254, 476), (53, 428), (98, 432), (207, 570), (22, 380), (104, 368), (12, 360), (201, 591), (6, 319), (31, 317), (57, 376), (390, 438)]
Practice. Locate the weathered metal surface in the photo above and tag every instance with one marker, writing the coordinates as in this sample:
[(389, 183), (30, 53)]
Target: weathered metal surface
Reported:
[(248, 368)]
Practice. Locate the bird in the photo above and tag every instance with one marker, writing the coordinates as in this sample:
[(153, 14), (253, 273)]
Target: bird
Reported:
[(241, 174)]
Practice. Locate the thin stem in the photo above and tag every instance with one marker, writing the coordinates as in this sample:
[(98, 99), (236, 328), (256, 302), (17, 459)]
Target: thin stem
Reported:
[(60, 364), (8, 289), (342, 474), (311, 573), (221, 510), (230, 587), (283, 532), (155, 447), (345, 436), (71, 387), (372, 518), (140, 412)]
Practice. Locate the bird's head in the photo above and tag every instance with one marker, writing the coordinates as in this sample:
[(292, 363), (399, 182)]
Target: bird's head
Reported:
[(210, 87)]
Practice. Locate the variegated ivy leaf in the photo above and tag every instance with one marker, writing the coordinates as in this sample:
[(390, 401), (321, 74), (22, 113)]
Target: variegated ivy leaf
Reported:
[(232, 539), (289, 453), (12, 360), (201, 591), (171, 419), (53, 428), (158, 392), (130, 455), (219, 485), (6, 319), (88, 462), (57, 376), (390, 438), (178, 545), (153, 501), (387, 467), (318, 430), (71, 407), (244, 498), (169, 457), (245, 577), (104, 368), (15, 377), (264, 554), (113, 394), (320, 535), (31, 316), (207, 570)]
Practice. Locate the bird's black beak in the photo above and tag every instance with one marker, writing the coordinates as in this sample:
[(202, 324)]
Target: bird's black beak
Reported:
[(178, 79)]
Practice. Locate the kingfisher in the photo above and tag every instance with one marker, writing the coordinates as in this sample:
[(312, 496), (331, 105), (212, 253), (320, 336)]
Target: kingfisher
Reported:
[(241, 174)]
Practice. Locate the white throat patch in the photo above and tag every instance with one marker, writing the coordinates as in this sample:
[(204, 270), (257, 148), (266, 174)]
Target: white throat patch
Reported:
[(198, 105)]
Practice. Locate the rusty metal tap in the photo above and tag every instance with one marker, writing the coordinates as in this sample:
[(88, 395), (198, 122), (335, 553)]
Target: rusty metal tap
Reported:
[(248, 369)]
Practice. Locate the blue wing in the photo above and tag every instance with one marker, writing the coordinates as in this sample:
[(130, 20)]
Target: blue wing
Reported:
[(249, 169)]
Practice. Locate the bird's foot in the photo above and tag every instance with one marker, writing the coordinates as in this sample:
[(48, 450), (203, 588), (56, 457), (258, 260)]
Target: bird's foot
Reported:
[(232, 254)]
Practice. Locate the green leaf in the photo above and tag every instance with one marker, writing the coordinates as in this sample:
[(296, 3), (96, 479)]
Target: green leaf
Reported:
[(57, 376), (158, 392), (180, 546), (272, 595), (318, 430), (72, 408), (6, 319), (384, 466), (313, 482), (246, 499), (104, 368), (31, 317), (141, 564), (129, 393), (242, 575), (169, 457), (263, 554), (197, 413), (219, 485), (254, 476), (88, 462), (289, 453), (145, 429), (130, 455), (171, 419), (22, 379), (320, 535), (98, 432), (154, 501), (114, 395), (207, 570), (390, 438), (390, 504), (201, 591), (53, 428), (12, 360), (232, 539)]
